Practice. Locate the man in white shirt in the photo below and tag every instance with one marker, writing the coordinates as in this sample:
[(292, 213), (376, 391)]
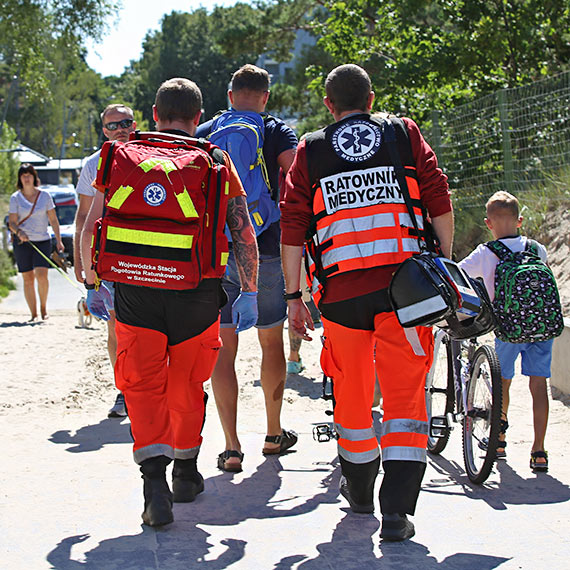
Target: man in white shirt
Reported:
[(118, 122)]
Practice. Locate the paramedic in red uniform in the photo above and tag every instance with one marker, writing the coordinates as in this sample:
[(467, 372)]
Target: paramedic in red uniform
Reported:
[(168, 340), (342, 199)]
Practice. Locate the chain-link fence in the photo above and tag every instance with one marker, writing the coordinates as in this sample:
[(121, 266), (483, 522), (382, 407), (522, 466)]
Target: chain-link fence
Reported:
[(515, 139)]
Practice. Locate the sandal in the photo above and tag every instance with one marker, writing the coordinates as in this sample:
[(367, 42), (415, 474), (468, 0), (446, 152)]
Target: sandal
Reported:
[(232, 467), (539, 466), (501, 453), (484, 445), (287, 439), (294, 367)]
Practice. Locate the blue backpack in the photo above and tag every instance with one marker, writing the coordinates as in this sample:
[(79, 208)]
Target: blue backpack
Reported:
[(241, 134)]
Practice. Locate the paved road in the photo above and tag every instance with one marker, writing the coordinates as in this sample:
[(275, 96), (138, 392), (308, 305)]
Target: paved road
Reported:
[(62, 294), (70, 498)]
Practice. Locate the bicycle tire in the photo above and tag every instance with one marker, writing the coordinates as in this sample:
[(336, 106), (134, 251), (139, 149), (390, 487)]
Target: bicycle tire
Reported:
[(481, 423), (439, 389)]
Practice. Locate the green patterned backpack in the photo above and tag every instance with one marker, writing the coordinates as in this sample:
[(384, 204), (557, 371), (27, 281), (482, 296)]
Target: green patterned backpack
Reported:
[(527, 303)]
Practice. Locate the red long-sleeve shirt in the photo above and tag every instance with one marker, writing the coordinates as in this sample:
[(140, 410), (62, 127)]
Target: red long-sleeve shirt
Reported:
[(297, 212)]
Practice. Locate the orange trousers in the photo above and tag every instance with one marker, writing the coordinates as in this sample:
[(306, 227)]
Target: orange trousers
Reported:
[(401, 358), (163, 388)]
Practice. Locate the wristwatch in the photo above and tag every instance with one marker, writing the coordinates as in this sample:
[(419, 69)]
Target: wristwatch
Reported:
[(291, 296), (88, 286)]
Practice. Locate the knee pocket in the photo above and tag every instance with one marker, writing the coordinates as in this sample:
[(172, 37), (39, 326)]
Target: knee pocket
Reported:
[(328, 362), (209, 349)]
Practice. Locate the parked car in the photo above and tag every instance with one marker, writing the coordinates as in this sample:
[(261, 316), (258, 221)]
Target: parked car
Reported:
[(65, 200)]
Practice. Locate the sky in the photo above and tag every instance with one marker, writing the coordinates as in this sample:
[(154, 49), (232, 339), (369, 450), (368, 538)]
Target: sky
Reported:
[(128, 28)]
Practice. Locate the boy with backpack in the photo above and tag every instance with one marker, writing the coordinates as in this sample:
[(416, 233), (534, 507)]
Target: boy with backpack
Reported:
[(527, 306)]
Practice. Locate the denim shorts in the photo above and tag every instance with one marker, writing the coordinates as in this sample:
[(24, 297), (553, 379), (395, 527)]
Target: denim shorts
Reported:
[(27, 258), (535, 357), (272, 308)]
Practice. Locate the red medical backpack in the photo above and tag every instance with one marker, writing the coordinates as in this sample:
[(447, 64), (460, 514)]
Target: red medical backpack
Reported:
[(165, 210)]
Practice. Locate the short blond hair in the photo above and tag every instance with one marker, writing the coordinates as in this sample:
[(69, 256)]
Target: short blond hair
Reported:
[(502, 202)]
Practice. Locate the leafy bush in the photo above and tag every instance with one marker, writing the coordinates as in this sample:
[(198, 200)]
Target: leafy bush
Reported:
[(7, 271), (470, 229), (9, 164)]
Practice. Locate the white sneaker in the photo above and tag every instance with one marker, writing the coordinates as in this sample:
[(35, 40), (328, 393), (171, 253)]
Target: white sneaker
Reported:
[(119, 410)]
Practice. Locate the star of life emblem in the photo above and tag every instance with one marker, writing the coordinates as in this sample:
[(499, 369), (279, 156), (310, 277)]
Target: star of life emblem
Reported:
[(357, 140), (154, 194)]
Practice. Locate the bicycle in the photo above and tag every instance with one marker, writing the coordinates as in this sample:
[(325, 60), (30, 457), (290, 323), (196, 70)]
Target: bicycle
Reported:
[(464, 386)]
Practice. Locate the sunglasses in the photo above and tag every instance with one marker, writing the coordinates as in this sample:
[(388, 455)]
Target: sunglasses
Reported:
[(114, 125)]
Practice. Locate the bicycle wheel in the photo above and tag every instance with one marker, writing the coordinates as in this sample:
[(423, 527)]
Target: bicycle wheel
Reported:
[(481, 424), (439, 388)]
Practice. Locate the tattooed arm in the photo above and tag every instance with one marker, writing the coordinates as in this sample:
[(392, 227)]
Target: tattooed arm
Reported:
[(244, 242)]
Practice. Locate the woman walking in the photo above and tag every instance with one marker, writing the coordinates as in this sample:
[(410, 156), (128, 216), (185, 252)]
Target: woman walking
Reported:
[(30, 211)]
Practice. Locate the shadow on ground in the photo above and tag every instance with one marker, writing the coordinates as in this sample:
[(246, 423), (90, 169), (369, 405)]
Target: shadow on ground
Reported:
[(182, 544), (94, 437), (356, 533), (512, 489)]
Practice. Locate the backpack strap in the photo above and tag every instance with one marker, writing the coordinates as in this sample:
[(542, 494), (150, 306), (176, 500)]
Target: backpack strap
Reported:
[(532, 247), (499, 249), (390, 139), (217, 155)]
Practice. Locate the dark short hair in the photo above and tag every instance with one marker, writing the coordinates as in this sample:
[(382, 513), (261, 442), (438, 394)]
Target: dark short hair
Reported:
[(178, 99), (348, 87), (119, 107), (251, 77), (27, 168)]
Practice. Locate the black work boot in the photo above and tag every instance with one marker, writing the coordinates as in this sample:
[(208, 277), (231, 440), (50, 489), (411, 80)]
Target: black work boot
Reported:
[(357, 484), (157, 495), (186, 481), (396, 527)]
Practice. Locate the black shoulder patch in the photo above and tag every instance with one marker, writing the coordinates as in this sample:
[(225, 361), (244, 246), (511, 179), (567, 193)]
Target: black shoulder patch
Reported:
[(218, 156)]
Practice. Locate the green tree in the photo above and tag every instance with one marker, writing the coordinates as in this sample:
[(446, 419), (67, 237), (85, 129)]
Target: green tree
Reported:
[(8, 163), (30, 28), (423, 54), (65, 123), (185, 46), (47, 92)]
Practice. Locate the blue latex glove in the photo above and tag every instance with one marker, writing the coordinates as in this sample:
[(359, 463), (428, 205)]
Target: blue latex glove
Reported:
[(99, 301), (244, 311)]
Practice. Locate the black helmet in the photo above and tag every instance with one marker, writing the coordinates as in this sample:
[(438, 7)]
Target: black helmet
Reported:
[(482, 323)]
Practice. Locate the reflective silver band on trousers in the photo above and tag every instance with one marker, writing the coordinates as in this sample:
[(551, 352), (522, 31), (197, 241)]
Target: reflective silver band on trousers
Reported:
[(360, 457), (355, 434), (153, 450), (401, 453), (403, 425)]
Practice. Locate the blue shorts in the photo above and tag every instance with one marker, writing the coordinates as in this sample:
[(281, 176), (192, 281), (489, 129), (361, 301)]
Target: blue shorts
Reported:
[(272, 308), (535, 357), (111, 286), (27, 258)]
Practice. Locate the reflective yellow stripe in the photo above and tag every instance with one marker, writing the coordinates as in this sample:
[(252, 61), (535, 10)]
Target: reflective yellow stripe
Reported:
[(224, 258), (258, 219), (186, 204), (99, 162), (166, 164), (142, 237), (227, 189), (120, 195)]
